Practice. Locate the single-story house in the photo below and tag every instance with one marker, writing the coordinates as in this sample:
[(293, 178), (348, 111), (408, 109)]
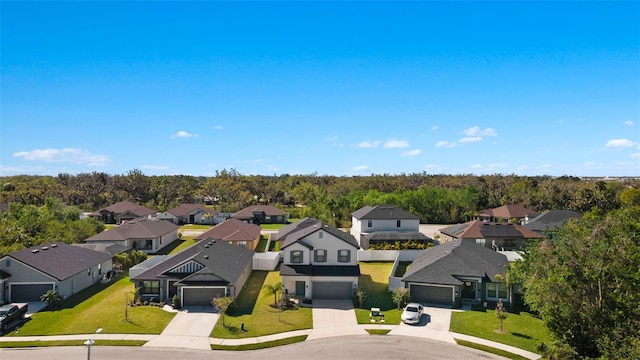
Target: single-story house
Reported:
[(497, 236), (122, 211), (189, 214), (549, 221), (505, 213), (319, 261), (261, 214), (456, 270), (197, 274), (27, 274), (385, 224), (111, 249), (235, 232), (141, 234)]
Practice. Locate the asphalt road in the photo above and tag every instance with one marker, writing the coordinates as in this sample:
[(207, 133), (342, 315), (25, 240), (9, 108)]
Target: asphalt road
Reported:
[(347, 348)]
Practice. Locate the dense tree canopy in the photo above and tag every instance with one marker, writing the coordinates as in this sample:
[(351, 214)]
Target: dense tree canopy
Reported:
[(585, 283)]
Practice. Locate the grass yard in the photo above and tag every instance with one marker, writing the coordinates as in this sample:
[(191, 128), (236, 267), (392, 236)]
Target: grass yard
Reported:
[(374, 280), (253, 309), (48, 343), (262, 244), (260, 345), (274, 246), (491, 350), (402, 268), (100, 305), (177, 246), (521, 330), (277, 226), (194, 227)]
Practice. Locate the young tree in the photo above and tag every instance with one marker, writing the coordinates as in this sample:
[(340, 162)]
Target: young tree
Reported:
[(361, 294), (222, 304), (273, 289), (400, 297), (51, 297), (501, 314)]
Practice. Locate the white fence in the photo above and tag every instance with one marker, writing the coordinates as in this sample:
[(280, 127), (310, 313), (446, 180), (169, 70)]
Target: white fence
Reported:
[(266, 260), (387, 255)]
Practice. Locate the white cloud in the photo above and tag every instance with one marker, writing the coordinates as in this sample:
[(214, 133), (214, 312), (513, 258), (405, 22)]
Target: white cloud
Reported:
[(628, 122), (360, 168), (446, 144), (183, 134), (396, 144), (218, 127), (434, 128), (369, 144), (70, 155), (476, 131), (273, 168), (415, 152), (635, 155), (497, 166), (619, 143), (470, 139)]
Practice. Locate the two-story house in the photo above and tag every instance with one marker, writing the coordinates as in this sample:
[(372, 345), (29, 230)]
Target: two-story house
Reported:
[(319, 261), (385, 223)]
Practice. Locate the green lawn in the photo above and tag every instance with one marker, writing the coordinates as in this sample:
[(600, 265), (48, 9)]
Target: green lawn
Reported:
[(274, 246), (101, 305), (262, 244), (277, 226), (402, 268), (194, 227), (177, 246), (259, 318), (48, 343), (521, 330), (260, 345), (491, 350), (374, 280)]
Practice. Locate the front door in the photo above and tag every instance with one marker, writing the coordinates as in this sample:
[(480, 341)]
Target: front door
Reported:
[(300, 285), (469, 290)]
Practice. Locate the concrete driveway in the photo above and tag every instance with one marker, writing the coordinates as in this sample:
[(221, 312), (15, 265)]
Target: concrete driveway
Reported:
[(433, 325), (189, 329), (334, 318)]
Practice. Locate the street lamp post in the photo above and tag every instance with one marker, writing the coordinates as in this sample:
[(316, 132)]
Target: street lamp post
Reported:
[(90, 342)]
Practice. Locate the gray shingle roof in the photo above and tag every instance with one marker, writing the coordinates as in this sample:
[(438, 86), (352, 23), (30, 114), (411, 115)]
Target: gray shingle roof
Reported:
[(442, 264), (140, 228), (232, 230), (308, 226), (268, 210), (124, 206), (550, 220), (60, 260), (186, 209), (223, 260), (383, 212)]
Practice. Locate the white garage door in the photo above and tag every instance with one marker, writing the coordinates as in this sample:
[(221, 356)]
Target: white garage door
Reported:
[(332, 290), (431, 294), (201, 296)]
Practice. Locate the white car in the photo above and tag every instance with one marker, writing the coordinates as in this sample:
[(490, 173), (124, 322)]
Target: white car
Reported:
[(412, 313)]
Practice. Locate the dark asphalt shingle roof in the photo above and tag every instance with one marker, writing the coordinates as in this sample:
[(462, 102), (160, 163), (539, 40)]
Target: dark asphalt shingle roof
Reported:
[(268, 210), (383, 212), (317, 270), (443, 264), (507, 212), (124, 206), (477, 229), (140, 228), (112, 249), (232, 230), (220, 260), (308, 226), (60, 260), (186, 209), (551, 219)]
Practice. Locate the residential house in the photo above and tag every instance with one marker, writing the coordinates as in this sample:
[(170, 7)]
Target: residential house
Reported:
[(261, 214), (235, 232), (197, 274), (189, 214), (385, 224), (27, 274), (505, 213), (549, 221), (122, 211), (456, 270), (319, 261), (111, 249), (141, 234), (496, 236)]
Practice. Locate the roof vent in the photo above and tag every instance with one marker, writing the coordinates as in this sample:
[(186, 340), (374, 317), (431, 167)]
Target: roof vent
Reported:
[(35, 251), (54, 245), (45, 248), (213, 242), (206, 256), (206, 245)]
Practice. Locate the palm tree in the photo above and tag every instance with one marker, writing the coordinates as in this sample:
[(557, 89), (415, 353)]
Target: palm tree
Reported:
[(273, 289), (51, 297)]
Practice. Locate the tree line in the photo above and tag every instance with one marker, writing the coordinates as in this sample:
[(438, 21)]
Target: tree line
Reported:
[(433, 198)]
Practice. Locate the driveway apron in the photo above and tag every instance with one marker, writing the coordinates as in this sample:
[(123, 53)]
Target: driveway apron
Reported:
[(189, 329), (434, 325), (334, 318)]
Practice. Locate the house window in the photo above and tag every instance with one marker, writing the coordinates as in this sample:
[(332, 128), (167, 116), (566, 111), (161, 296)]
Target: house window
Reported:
[(89, 272), (497, 291), (150, 287), (481, 242), (344, 255), (398, 223), (99, 269), (320, 234), (7, 263), (242, 244), (296, 257), (509, 243), (320, 255), (369, 223)]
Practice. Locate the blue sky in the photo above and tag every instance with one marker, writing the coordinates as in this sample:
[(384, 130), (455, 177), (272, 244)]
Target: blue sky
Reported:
[(337, 88)]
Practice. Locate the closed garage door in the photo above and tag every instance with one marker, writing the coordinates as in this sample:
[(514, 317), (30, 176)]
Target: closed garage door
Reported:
[(201, 296), (431, 294), (28, 292), (332, 290)]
